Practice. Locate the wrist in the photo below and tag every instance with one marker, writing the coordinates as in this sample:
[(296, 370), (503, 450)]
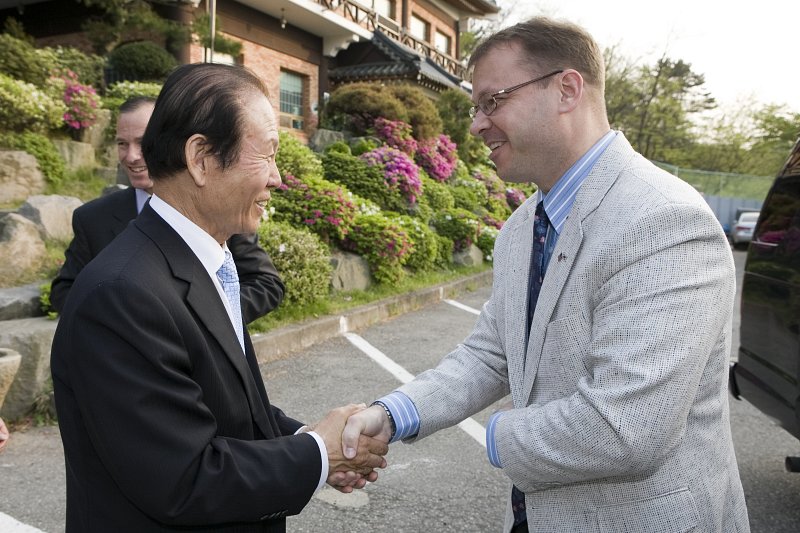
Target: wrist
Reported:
[(388, 415)]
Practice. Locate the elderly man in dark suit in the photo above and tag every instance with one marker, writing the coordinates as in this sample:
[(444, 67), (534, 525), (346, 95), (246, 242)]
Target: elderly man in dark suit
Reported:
[(164, 417), (96, 223)]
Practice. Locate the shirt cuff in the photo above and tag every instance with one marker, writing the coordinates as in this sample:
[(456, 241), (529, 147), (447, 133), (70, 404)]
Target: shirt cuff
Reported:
[(491, 444), (323, 452), (404, 414)]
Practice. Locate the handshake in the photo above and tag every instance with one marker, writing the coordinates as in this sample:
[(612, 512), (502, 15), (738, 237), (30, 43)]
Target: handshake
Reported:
[(357, 438)]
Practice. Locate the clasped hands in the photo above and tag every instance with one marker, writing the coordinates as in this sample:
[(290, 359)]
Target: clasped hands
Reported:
[(357, 438)]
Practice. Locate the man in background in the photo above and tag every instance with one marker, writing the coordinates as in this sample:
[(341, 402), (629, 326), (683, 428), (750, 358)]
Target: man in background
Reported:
[(96, 223)]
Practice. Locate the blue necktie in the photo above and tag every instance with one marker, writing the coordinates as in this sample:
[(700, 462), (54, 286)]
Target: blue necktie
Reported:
[(540, 225), (229, 278)]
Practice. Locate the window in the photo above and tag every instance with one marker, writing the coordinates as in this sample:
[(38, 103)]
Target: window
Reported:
[(419, 29), (291, 101), (384, 8), (442, 42)]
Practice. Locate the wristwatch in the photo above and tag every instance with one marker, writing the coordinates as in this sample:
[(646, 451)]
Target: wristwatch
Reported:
[(389, 414)]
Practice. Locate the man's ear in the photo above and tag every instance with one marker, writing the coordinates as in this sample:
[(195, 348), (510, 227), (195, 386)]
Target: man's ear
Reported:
[(198, 158), (571, 86)]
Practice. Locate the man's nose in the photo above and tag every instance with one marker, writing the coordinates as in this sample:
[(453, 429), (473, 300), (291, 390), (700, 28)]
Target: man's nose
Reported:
[(480, 123)]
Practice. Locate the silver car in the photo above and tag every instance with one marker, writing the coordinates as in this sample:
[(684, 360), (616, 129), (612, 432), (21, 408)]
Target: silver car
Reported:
[(742, 232)]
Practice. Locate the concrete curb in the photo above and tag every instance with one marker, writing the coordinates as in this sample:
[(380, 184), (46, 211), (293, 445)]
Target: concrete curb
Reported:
[(283, 342)]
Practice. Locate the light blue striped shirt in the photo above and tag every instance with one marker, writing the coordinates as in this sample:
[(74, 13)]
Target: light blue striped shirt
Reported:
[(557, 205)]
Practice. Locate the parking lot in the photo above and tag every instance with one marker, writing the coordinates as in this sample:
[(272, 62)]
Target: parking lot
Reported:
[(443, 483)]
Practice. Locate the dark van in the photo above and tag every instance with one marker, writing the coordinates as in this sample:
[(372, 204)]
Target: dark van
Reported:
[(768, 371)]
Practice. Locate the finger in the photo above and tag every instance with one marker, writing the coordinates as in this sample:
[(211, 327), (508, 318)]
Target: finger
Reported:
[(372, 477), (350, 435)]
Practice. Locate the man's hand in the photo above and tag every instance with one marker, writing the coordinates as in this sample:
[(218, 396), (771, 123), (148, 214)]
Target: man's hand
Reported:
[(371, 422), (347, 473), (4, 435)]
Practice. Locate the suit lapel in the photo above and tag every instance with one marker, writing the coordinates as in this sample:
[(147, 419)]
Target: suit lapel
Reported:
[(202, 297)]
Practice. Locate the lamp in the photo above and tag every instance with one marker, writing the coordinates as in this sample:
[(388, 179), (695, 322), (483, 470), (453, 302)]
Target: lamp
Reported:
[(283, 19)]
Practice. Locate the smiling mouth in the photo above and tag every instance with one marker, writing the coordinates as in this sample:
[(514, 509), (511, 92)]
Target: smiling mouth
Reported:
[(494, 145), (138, 169)]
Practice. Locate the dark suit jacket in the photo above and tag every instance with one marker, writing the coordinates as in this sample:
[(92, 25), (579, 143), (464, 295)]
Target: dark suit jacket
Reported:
[(166, 425), (98, 222)]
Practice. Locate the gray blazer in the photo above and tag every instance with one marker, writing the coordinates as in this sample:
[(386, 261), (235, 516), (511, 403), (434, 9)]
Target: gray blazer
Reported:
[(620, 419)]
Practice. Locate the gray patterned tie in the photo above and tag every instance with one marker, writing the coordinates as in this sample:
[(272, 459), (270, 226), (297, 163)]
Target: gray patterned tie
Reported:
[(229, 278)]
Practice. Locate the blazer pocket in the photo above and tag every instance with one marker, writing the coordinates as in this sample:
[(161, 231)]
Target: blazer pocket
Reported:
[(674, 512)]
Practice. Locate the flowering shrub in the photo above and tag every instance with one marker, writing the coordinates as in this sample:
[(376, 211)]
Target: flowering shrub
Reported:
[(495, 187), (23, 107), (436, 194), (514, 197), (301, 258), (457, 224), (323, 207), (297, 159), (425, 245), (438, 157), (492, 221), (396, 134), (340, 166), (124, 90), (485, 242), (400, 174), (383, 243), (469, 194), (81, 101)]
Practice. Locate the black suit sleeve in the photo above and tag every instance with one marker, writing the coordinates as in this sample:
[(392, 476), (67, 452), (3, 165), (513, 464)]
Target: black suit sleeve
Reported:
[(77, 255), (259, 282)]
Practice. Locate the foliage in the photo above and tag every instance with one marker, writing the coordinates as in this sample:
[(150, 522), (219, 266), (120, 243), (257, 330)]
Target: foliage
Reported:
[(50, 161), (202, 27), (485, 242), (438, 157), (514, 197), (425, 246), (302, 260), (323, 207), (356, 106), (400, 174), (467, 196), (19, 59), (354, 173), (142, 61), (87, 67), (383, 243), (44, 301), (123, 19), (453, 106), (459, 225), (437, 195), (360, 145), (297, 159), (23, 107), (422, 113), (82, 183), (81, 101), (444, 251), (396, 134)]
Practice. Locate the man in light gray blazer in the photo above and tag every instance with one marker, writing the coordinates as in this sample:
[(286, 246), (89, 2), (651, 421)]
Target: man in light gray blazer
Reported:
[(609, 321)]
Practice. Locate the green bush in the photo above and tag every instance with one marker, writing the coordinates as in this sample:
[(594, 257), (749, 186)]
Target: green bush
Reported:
[(302, 260), (459, 225), (88, 67), (437, 195), (23, 107), (444, 251), (357, 176), (383, 243), (119, 92), (422, 114), (486, 237), (20, 60), (453, 106), (469, 194), (425, 245), (354, 108), (142, 61), (362, 145), (297, 159), (323, 207), (50, 161)]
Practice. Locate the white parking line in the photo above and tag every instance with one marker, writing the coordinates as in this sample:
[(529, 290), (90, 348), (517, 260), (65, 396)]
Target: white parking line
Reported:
[(469, 426), (463, 307), (9, 524)]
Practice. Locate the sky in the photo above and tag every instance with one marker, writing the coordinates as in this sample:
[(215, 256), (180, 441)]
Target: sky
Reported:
[(747, 51)]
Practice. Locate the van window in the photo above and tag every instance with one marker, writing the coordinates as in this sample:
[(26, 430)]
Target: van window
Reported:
[(777, 241)]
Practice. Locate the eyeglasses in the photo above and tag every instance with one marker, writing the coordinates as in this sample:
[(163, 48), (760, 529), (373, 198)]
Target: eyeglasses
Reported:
[(488, 104)]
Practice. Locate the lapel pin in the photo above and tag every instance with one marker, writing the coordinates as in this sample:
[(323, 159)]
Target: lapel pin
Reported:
[(561, 257)]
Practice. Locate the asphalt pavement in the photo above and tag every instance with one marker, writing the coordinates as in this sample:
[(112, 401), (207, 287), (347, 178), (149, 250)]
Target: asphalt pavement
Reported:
[(443, 483)]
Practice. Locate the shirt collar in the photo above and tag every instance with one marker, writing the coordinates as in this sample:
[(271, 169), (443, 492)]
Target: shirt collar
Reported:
[(207, 250), (558, 202), (141, 198)]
